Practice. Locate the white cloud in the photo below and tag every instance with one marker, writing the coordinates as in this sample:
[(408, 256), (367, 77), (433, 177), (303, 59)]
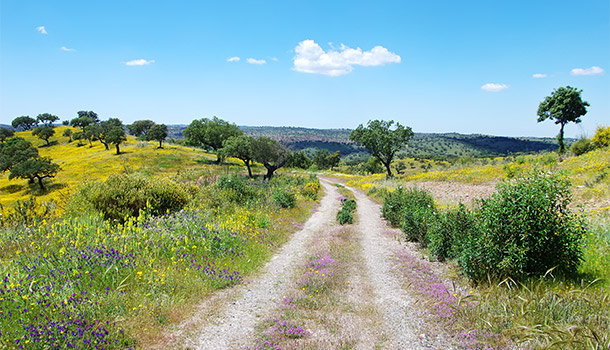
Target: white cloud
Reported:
[(41, 29), (255, 61), (233, 59), (539, 76), (274, 59), (311, 58), (587, 71), (63, 48), (493, 87), (140, 62)]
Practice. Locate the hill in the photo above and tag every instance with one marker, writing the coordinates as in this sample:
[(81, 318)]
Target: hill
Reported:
[(81, 164), (422, 145)]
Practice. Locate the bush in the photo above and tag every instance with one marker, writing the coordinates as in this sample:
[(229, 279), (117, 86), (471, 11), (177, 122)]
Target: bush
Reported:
[(601, 138), (345, 215), (525, 229), (411, 209), (581, 146), (122, 196), (284, 197), (449, 231), (236, 189), (311, 190)]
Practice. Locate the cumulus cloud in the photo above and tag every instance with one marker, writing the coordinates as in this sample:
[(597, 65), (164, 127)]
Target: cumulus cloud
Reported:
[(311, 58), (493, 87), (587, 71), (539, 76), (255, 61), (63, 48), (140, 62), (233, 59), (42, 30)]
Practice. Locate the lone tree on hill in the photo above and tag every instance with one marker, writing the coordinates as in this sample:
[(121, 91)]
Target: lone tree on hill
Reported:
[(24, 123), (38, 168), (383, 142), (47, 119), (44, 133), (157, 132), (5, 134), (140, 127), (210, 134), (240, 147), (564, 105), (271, 153)]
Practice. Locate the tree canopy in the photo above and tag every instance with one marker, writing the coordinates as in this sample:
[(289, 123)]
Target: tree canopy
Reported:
[(140, 127), (210, 134), (240, 147), (47, 119), (105, 128), (44, 133), (18, 156), (382, 140), (272, 154), (14, 151), (564, 105), (116, 136), (37, 168), (157, 132), (5, 134), (24, 123)]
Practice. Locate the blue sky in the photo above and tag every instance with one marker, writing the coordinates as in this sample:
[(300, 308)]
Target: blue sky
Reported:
[(437, 66)]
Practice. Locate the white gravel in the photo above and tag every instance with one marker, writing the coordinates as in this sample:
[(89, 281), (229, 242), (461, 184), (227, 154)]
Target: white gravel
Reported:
[(403, 324)]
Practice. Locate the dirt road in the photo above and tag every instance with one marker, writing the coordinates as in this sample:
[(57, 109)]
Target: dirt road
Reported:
[(229, 318)]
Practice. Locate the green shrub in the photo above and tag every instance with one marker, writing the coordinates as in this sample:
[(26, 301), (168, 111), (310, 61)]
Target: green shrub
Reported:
[(581, 146), (236, 189), (284, 197), (345, 215), (525, 229), (393, 206), (121, 196), (411, 209), (449, 230)]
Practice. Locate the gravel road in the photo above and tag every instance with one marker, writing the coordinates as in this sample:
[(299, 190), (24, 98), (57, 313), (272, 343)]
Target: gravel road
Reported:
[(227, 320)]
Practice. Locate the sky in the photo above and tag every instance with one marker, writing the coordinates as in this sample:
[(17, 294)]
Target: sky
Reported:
[(437, 66)]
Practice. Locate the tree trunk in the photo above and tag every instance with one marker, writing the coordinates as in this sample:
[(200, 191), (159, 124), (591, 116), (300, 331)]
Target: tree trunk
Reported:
[(40, 183), (387, 168), (160, 143), (249, 169), (48, 143), (217, 157), (270, 170), (118, 151), (105, 144), (562, 148)]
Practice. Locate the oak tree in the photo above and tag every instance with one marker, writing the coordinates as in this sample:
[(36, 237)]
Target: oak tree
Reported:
[(382, 140), (564, 105)]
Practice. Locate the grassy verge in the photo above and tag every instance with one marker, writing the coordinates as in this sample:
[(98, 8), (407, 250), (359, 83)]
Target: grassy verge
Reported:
[(88, 283)]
